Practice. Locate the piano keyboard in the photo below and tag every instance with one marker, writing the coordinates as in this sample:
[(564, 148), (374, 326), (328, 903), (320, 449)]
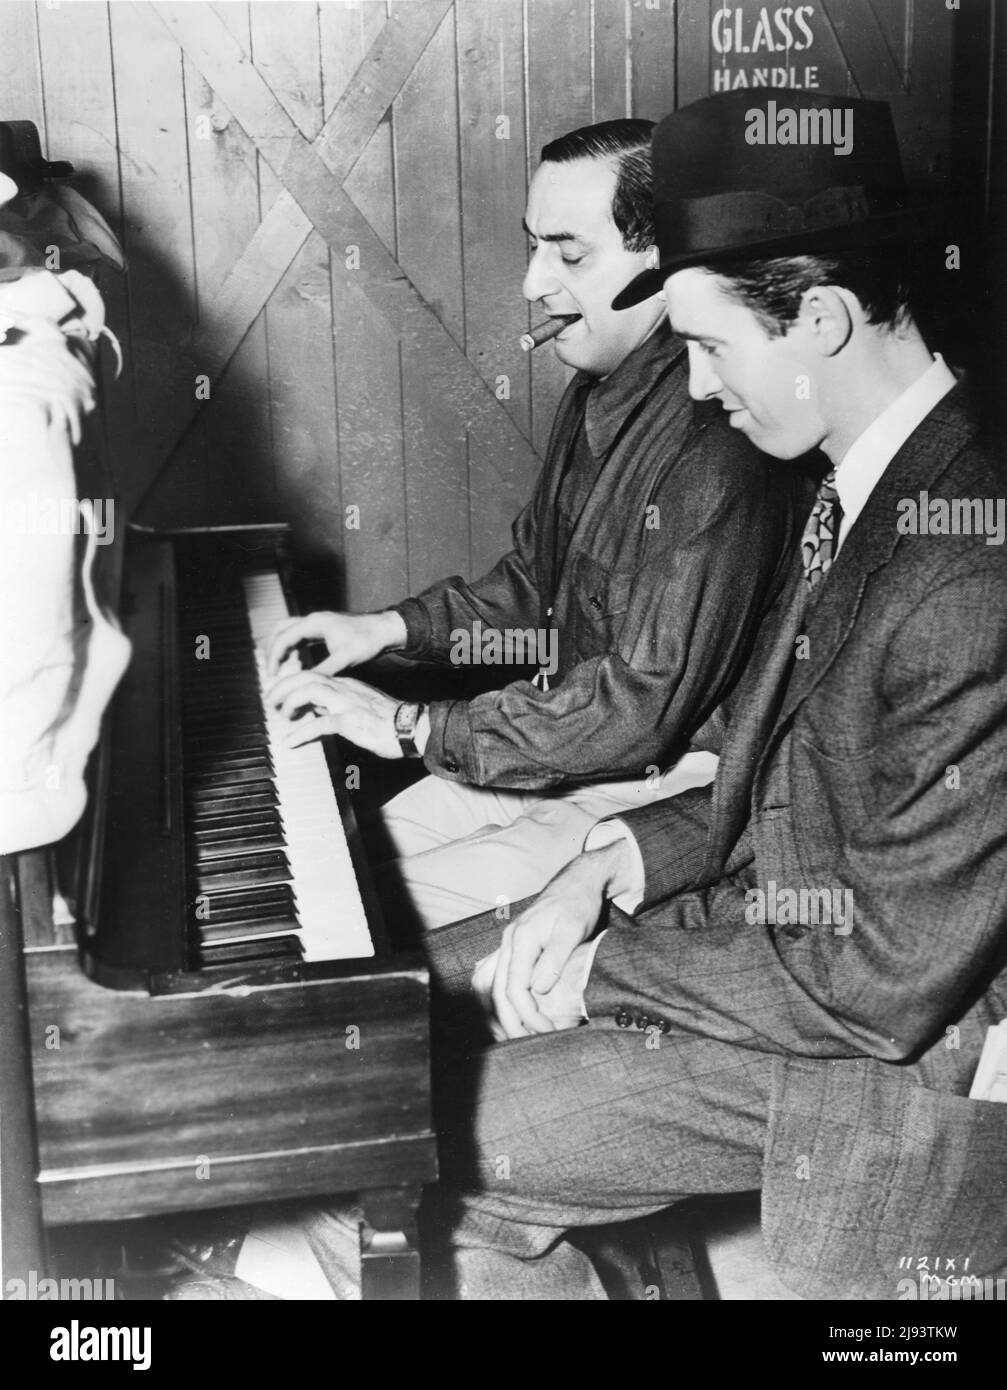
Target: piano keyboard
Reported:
[(329, 907), (271, 874)]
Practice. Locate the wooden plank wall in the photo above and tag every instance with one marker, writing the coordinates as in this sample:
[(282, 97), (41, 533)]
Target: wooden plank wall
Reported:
[(202, 130)]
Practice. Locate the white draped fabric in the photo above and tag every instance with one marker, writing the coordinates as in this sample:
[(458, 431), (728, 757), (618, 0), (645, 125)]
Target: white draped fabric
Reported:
[(61, 657)]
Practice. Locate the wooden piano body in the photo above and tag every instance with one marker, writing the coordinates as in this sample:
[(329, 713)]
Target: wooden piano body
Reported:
[(191, 1087)]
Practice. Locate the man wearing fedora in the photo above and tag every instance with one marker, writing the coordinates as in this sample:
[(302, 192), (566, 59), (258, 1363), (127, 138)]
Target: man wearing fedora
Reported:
[(783, 982)]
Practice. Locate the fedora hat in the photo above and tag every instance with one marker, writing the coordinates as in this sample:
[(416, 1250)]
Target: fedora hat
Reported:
[(758, 174)]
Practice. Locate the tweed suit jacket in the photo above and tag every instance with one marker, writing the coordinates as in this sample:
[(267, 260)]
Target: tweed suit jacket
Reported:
[(870, 757)]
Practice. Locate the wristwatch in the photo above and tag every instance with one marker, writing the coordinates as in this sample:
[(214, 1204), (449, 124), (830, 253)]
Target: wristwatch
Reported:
[(406, 718)]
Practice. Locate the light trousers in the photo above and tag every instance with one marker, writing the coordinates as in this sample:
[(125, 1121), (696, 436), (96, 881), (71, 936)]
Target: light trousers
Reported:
[(462, 850)]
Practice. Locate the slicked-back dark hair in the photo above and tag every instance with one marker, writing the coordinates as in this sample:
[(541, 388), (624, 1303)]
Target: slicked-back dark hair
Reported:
[(886, 281), (627, 144)]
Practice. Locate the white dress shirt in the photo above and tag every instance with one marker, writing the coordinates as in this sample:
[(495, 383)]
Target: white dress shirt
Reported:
[(861, 467)]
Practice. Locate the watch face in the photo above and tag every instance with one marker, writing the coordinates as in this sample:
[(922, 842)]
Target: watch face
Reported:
[(405, 719)]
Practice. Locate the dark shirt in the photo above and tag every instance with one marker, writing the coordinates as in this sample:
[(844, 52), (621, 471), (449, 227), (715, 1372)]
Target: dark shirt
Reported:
[(669, 545), (580, 473)]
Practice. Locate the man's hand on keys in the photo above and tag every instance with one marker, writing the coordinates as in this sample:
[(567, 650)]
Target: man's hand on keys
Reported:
[(320, 705), (351, 638)]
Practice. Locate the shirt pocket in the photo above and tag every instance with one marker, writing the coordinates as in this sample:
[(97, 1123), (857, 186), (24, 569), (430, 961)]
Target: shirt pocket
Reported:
[(599, 601)]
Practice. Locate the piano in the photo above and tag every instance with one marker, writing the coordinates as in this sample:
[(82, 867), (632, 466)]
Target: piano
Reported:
[(214, 1013)]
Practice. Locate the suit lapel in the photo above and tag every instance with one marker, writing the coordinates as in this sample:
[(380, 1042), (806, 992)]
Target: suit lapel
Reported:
[(919, 464)]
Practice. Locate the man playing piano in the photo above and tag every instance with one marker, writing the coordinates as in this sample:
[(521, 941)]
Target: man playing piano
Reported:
[(641, 568), (743, 1033)]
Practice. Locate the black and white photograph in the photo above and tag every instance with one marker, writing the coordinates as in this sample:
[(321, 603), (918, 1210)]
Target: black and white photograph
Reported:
[(503, 661)]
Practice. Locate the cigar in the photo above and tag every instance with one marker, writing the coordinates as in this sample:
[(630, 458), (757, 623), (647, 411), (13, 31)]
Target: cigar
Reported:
[(542, 332)]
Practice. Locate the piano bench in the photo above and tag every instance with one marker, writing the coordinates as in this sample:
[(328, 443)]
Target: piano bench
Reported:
[(705, 1248)]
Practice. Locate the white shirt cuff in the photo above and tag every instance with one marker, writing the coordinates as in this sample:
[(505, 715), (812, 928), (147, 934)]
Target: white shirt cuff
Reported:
[(607, 832), (589, 955), (421, 734)]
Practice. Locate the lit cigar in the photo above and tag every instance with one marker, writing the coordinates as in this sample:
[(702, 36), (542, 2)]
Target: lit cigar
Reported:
[(543, 332)]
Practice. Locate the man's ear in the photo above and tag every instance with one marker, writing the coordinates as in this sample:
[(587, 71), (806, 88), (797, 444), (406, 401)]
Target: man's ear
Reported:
[(652, 261), (827, 319)]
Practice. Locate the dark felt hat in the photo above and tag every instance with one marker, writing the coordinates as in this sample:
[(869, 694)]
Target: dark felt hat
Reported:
[(775, 173)]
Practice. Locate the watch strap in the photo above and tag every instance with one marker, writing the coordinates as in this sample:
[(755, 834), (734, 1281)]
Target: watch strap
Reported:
[(407, 717)]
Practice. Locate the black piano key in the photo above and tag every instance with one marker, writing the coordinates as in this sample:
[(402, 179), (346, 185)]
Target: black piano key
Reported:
[(223, 657), (222, 732), (253, 858), (223, 661), (230, 841), (229, 919), (218, 699), (212, 619), (251, 796), (269, 856), (248, 842), (200, 764), (245, 904), (261, 821), (275, 924), (211, 764), (201, 647), (228, 739), (226, 827), (226, 671), (194, 624), (221, 878), (214, 697), (243, 871), (212, 783), (212, 622), (222, 752), (225, 733), (247, 952), (234, 920), (218, 729)]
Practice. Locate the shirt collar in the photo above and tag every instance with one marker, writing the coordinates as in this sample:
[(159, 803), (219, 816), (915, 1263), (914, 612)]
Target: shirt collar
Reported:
[(861, 467), (612, 400)]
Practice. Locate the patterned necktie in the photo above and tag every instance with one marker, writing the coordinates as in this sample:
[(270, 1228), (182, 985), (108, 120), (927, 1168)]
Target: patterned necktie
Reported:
[(818, 544)]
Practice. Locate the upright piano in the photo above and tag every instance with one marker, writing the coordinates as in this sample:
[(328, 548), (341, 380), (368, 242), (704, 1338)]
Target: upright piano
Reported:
[(215, 1015)]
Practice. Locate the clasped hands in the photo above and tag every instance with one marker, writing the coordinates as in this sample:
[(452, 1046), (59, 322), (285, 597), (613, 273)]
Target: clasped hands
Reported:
[(534, 982)]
